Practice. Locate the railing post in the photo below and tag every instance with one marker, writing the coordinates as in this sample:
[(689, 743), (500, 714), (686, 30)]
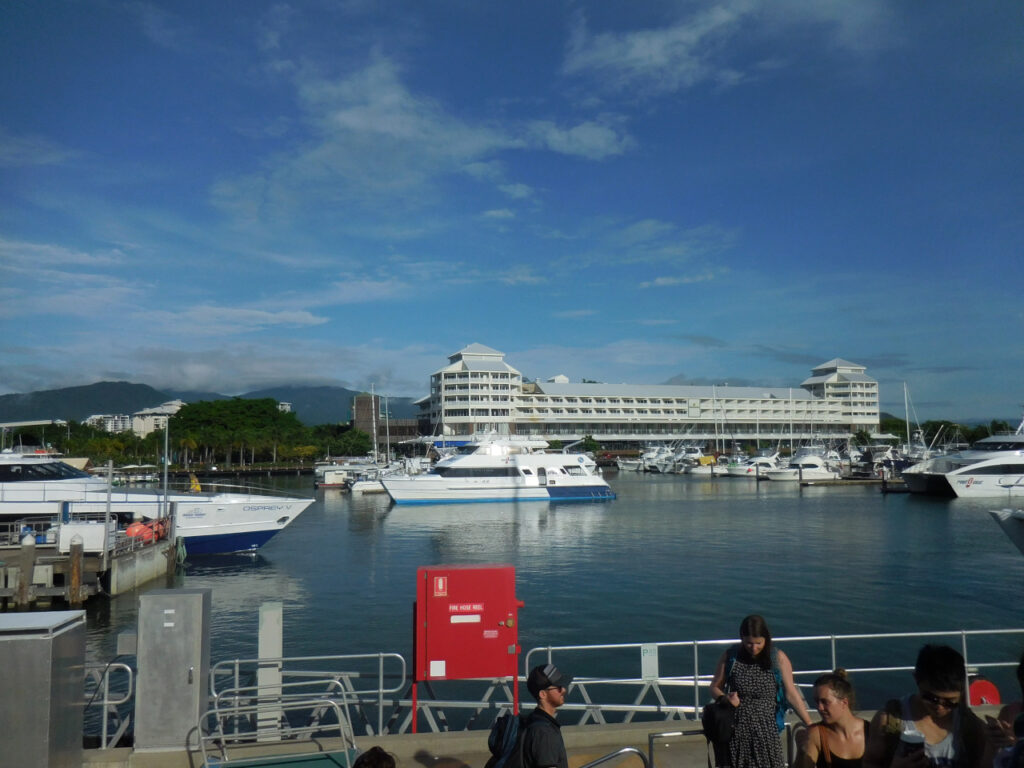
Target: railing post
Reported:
[(696, 678)]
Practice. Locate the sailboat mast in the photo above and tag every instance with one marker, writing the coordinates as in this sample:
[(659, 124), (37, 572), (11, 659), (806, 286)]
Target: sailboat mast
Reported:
[(906, 411), (375, 409)]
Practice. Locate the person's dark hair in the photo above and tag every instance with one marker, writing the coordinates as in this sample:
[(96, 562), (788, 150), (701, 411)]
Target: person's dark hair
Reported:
[(940, 668), (374, 757), (756, 626), (838, 682)]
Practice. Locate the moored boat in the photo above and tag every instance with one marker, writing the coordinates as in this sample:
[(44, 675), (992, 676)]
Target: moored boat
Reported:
[(502, 469), (934, 477), (805, 468), (999, 477), (209, 523)]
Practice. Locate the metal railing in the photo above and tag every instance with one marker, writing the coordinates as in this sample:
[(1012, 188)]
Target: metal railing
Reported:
[(670, 684), (619, 753), (673, 690), (241, 728), (108, 687), (341, 675)]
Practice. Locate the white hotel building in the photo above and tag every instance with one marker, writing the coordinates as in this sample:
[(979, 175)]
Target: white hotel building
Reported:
[(479, 393)]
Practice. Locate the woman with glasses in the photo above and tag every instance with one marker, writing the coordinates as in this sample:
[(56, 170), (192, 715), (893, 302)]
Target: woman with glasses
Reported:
[(838, 741), (933, 726)]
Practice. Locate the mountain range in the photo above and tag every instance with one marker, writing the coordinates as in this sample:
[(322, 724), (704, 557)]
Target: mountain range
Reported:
[(311, 405)]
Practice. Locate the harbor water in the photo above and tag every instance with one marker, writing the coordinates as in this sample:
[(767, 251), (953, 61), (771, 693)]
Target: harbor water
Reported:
[(673, 558)]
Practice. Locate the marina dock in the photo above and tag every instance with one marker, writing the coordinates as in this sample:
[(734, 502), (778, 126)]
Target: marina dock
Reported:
[(71, 573)]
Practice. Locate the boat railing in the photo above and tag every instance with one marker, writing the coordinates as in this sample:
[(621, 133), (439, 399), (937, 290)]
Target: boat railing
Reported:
[(109, 691)]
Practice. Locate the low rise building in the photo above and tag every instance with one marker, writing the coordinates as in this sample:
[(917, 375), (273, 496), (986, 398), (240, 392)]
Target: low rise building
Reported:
[(479, 393), (150, 420)]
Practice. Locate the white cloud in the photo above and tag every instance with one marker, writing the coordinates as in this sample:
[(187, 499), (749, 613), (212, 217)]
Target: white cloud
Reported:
[(370, 139), (16, 254), (161, 27), (499, 213), (592, 140), (707, 45), (516, 191), (27, 150), (217, 321), (666, 282)]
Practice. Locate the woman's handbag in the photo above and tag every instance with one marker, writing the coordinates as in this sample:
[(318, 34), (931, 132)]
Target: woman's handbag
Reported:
[(716, 721)]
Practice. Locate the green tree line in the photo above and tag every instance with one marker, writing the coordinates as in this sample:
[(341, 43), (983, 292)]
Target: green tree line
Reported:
[(227, 433)]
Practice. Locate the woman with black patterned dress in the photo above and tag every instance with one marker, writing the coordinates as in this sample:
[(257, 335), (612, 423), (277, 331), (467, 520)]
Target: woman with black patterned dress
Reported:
[(747, 676)]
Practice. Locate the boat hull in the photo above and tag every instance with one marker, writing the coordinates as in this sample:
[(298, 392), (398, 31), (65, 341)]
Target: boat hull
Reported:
[(428, 489), (987, 486), (928, 484), (794, 476), (208, 524)]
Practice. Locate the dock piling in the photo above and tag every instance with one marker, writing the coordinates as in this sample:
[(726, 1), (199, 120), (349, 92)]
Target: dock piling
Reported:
[(26, 570), (77, 556)]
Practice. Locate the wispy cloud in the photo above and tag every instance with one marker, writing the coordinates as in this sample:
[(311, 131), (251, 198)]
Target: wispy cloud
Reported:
[(574, 313), (499, 213), (16, 254), (516, 191), (213, 320), (592, 140), (668, 281), (28, 150), (162, 27), (707, 44)]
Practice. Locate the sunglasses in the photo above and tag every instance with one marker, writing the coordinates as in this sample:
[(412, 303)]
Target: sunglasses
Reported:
[(939, 701)]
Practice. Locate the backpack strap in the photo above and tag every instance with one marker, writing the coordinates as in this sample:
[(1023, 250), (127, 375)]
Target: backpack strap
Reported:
[(823, 735), (892, 727)]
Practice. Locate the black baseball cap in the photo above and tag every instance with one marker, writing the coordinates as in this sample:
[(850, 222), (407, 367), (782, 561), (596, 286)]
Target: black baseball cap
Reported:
[(546, 676)]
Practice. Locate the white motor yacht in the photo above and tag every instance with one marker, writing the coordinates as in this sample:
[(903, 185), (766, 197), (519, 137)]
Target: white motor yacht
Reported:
[(502, 469), (33, 486), (755, 466), (806, 468), (932, 477), (999, 477)]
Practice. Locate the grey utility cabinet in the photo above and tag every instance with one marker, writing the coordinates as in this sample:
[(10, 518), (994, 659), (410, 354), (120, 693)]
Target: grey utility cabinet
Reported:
[(42, 687), (172, 688)]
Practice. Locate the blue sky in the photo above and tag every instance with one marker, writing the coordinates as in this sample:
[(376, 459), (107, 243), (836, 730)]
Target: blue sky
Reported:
[(232, 195)]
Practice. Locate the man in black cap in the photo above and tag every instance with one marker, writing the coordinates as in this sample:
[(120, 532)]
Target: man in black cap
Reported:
[(542, 742)]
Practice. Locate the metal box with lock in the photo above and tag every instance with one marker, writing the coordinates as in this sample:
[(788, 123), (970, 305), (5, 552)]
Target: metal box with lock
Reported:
[(172, 688)]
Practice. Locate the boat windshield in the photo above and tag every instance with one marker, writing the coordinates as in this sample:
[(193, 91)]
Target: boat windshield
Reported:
[(996, 444), (49, 470)]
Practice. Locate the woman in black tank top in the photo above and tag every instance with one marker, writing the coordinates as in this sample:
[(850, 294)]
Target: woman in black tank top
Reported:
[(838, 740)]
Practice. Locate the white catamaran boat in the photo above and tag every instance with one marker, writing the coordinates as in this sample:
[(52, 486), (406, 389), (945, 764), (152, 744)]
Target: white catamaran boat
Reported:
[(40, 486), (502, 469), (1000, 477), (936, 476)]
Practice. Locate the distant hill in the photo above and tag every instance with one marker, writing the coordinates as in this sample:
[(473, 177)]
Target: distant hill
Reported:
[(79, 403), (311, 405)]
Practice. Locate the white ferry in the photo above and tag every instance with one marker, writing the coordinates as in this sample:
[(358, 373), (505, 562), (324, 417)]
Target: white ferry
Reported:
[(40, 486), (502, 469), (999, 477), (936, 476)]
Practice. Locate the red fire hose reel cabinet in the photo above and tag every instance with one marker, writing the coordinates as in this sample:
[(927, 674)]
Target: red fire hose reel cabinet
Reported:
[(467, 623)]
